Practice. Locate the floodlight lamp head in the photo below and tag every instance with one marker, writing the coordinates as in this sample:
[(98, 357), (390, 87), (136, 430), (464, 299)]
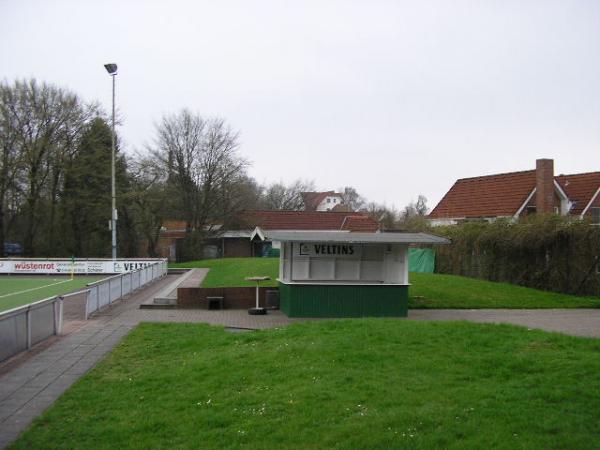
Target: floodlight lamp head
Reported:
[(111, 68)]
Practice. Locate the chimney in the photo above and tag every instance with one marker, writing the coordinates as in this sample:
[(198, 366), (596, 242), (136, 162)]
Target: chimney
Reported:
[(544, 182)]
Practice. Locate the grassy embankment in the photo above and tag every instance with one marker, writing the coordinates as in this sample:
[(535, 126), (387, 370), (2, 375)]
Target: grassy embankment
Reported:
[(363, 383), (427, 290)]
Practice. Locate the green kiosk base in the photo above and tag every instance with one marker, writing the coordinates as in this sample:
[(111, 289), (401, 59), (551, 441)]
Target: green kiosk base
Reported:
[(343, 300)]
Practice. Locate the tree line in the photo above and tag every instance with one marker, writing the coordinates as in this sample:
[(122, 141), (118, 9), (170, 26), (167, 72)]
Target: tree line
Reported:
[(55, 178)]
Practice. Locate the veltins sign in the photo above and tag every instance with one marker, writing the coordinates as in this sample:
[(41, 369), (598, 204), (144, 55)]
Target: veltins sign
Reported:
[(329, 250), (77, 267)]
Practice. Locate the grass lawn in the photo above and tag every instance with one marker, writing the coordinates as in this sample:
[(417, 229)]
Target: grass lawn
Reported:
[(451, 291), (230, 272), (364, 383), (427, 290), (21, 290)]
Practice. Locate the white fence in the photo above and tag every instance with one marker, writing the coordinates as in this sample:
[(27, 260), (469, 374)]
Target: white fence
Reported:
[(104, 292), (22, 327), (25, 326)]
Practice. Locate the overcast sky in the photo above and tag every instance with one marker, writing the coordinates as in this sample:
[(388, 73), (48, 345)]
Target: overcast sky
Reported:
[(394, 98)]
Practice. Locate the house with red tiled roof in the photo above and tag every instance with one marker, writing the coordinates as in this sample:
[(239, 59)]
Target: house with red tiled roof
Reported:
[(322, 201), (516, 194), (247, 238)]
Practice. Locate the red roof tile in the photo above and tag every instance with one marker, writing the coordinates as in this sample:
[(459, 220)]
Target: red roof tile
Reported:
[(360, 223), (487, 196), (579, 188), (309, 220), (503, 194)]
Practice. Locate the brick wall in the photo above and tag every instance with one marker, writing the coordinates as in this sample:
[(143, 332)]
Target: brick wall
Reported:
[(544, 195), (233, 298)]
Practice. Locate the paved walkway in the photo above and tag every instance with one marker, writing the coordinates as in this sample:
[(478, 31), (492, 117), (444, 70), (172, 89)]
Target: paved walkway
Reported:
[(33, 381)]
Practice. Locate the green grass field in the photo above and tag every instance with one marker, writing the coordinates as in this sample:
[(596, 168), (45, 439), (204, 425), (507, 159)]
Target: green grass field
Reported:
[(20, 290), (451, 291), (427, 290), (348, 384), (230, 272)]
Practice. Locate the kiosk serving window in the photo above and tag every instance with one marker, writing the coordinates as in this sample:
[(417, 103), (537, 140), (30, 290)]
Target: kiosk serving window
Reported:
[(341, 262)]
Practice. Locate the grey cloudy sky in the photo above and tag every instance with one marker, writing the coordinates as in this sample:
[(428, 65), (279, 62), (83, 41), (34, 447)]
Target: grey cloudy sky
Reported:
[(396, 98)]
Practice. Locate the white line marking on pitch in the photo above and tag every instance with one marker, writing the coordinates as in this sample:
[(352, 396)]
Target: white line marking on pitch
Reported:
[(33, 289)]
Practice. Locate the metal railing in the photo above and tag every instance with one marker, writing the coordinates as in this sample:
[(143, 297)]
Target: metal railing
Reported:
[(25, 326), (104, 292)]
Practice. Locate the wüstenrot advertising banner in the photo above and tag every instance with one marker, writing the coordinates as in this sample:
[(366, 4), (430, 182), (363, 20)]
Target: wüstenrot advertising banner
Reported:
[(67, 266)]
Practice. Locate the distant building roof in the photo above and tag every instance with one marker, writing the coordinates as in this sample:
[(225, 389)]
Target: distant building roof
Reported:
[(309, 220), (486, 196), (313, 199), (503, 194)]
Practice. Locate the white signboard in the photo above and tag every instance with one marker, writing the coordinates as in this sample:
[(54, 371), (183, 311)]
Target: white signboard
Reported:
[(329, 250), (79, 266)]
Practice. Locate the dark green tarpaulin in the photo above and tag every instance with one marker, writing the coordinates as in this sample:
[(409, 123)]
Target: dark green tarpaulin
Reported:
[(421, 260)]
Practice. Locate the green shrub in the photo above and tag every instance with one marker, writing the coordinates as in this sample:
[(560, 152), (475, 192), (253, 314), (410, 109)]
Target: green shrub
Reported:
[(545, 252)]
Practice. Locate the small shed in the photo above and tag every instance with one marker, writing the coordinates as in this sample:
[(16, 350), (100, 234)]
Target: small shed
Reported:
[(343, 274)]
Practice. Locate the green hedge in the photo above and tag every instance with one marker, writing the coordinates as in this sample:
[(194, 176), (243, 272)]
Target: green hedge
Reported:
[(550, 253)]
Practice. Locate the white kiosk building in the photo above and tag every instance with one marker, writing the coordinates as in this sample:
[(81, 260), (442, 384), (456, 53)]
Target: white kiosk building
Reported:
[(343, 274)]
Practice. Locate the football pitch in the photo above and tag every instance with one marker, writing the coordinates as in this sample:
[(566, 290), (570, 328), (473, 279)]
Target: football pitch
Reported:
[(20, 290)]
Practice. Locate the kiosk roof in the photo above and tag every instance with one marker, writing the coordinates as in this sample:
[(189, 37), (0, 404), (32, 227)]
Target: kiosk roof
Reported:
[(340, 236)]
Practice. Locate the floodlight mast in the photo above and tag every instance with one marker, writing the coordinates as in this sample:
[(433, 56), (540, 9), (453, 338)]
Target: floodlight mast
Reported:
[(112, 71)]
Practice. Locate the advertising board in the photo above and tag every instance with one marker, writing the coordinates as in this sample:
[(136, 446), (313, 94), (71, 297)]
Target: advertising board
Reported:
[(78, 266)]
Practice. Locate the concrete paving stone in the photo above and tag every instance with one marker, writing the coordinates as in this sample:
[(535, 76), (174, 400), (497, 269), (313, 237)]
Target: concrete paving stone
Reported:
[(57, 389), (35, 367), (8, 408), (65, 378), (60, 367), (7, 436), (39, 404), (72, 341), (41, 381), (8, 388), (20, 420), (81, 351), (81, 367), (25, 391), (53, 372)]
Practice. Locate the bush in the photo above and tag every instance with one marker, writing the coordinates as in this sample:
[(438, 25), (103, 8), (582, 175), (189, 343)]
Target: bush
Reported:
[(544, 252)]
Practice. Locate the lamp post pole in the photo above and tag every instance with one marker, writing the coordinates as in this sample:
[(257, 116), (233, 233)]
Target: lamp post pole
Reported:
[(112, 70)]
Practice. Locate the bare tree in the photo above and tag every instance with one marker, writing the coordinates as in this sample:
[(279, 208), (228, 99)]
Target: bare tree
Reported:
[(279, 196), (204, 173), (149, 198), (418, 208), (352, 199), (387, 217)]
